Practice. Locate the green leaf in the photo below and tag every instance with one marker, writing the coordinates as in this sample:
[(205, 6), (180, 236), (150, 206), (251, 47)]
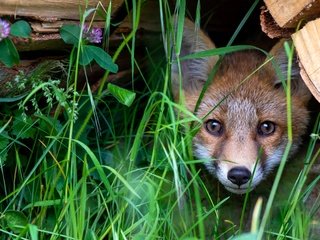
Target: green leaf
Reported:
[(100, 170), (20, 29), (101, 57), (33, 231), (4, 140), (90, 235), (12, 99), (180, 26), (23, 129), (3, 157), (16, 220), (46, 203), (86, 56), (9, 55), (49, 125), (104, 59), (70, 34), (220, 51), (124, 96)]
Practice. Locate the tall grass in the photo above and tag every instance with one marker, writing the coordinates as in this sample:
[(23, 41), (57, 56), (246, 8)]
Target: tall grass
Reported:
[(89, 167)]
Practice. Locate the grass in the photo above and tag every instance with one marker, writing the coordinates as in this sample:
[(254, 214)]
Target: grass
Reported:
[(89, 167)]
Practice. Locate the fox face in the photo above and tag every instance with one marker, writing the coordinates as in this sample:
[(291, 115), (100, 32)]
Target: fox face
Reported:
[(243, 112)]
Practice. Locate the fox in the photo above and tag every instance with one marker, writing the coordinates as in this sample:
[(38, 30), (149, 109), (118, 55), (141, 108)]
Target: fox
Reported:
[(243, 112)]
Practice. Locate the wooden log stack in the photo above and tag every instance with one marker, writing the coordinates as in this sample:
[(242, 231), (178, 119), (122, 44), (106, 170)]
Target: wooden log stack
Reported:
[(44, 49), (297, 19), (46, 9), (45, 44), (47, 16), (300, 20)]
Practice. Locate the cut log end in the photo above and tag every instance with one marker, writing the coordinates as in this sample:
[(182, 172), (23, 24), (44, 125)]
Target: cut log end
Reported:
[(271, 28), (288, 13), (307, 45)]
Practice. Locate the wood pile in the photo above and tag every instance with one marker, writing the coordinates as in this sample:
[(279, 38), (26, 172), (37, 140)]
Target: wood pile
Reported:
[(46, 18), (299, 20), (278, 19)]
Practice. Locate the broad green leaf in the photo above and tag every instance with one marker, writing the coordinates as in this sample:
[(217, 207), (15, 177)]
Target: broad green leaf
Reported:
[(124, 96), (9, 55), (4, 140), (86, 56), (23, 129), (49, 125), (102, 58), (70, 34), (15, 220), (20, 29), (90, 52)]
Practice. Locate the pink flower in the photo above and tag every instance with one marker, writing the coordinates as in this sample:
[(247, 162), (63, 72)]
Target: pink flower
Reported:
[(93, 35), (4, 29)]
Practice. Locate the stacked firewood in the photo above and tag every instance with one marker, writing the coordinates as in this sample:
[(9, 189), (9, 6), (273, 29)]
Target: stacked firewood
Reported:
[(299, 20)]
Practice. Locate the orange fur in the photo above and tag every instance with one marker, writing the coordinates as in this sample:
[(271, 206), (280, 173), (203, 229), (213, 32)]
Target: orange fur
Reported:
[(248, 105)]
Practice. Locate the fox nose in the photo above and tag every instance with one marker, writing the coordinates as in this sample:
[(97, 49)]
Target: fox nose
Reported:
[(239, 175)]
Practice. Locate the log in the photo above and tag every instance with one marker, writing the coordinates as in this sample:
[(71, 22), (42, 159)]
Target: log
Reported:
[(288, 13), (47, 16), (307, 43), (45, 37), (271, 28), (52, 9), (54, 27)]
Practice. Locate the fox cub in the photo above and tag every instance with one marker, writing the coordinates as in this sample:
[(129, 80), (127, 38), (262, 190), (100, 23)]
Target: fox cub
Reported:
[(244, 130)]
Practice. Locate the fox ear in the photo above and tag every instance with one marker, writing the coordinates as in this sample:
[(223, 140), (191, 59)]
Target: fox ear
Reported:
[(298, 87), (194, 72)]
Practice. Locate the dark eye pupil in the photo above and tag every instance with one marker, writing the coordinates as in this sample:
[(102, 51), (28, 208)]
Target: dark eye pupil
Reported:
[(266, 128), (214, 127)]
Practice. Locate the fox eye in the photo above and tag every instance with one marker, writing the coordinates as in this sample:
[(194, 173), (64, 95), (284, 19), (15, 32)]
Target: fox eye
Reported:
[(266, 128), (214, 127)]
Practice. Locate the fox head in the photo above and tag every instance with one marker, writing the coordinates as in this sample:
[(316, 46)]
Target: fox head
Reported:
[(244, 111)]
